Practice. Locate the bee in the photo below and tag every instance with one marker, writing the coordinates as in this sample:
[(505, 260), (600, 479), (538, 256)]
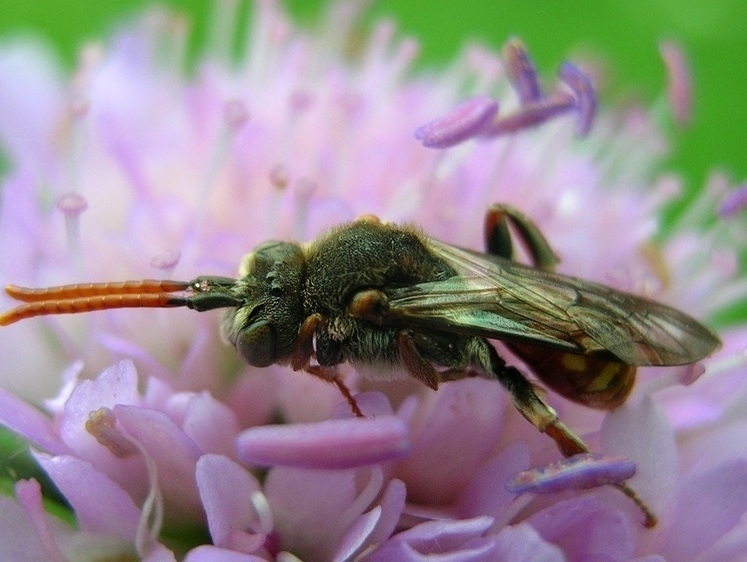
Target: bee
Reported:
[(384, 297)]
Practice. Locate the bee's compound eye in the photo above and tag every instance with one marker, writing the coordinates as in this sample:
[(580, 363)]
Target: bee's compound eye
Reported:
[(256, 343)]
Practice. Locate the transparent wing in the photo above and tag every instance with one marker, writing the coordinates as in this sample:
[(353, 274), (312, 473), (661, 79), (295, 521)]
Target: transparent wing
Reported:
[(501, 299)]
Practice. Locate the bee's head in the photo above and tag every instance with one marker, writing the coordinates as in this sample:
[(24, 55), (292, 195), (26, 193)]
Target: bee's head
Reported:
[(264, 328)]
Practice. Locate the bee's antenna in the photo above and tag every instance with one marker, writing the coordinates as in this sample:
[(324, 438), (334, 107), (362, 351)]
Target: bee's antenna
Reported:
[(202, 293)]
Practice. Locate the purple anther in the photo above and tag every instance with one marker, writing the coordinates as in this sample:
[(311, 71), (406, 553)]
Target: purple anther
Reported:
[(531, 115), (78, 108), (167, 261), (72, 204), (301, 100), (679, 84), (522, 72), (279, 177), (578, 472), (465, 121), (305, 187), (586, 96), (236, 113), (734, 202)]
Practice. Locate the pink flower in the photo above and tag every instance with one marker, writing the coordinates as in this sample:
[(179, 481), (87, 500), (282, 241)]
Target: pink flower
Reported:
[(165, 445)]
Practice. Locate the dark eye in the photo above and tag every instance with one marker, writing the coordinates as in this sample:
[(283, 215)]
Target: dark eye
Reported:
[(256, 343)]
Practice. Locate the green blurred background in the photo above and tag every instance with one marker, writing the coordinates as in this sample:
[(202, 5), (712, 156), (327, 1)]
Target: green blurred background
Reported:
[(625, 33)]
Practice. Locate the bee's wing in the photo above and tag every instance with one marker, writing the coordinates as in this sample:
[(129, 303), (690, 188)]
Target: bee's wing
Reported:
[(501, 299)]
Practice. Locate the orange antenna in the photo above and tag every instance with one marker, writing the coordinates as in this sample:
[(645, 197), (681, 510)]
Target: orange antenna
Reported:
[(202, 293)]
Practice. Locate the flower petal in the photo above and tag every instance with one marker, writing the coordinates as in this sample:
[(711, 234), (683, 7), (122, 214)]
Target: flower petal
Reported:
[(584, 527), (356, 535), (522, 543), (483, 495), (174, 454), (17, 415), (211, 424), (454, 439), (210, 553), (101, 506), (709, 505), (228, 492), (116, 385), (640, 432)]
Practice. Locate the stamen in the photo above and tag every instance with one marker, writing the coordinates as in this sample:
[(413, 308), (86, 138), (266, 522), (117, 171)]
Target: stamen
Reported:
[(151, 516), (300, 101), (102, 424), (734, 202), (578, 472), (304, 189), (465, 121), (235, 114), (679, 84), (279, 177), (264, 512), (586, 97), (72, 205), (521, 72), (167, 261), (531, 115), (28, 494)]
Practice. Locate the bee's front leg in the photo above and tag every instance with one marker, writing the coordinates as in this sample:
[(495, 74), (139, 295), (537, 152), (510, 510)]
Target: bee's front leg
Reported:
[(303, 351)]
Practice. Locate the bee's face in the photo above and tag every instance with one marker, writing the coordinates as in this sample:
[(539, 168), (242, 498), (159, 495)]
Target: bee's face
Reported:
[(265, 327)]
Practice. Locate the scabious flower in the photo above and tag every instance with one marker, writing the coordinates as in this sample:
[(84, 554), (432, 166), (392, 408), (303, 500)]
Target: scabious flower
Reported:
[(164, 445)]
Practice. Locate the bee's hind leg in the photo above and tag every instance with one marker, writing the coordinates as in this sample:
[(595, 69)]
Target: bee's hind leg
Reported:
[(498, 236), (486, 360)]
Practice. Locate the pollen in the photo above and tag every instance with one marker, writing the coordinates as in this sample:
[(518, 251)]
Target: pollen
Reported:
[(101, 424)]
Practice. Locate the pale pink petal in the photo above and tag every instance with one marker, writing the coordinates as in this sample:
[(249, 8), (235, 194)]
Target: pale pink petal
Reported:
[(211, 425), (445, 535), (522, 543), (452, 443), (485, 494), (709, 505), (233, 501), (173, 453), (584, 527), (101, 506), (116, 385), (209, 553), (655, 456), (356, 535), (27, 421), (322, 502), (392, 504)]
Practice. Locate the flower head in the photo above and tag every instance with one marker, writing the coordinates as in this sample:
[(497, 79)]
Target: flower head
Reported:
[(130, 170)]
